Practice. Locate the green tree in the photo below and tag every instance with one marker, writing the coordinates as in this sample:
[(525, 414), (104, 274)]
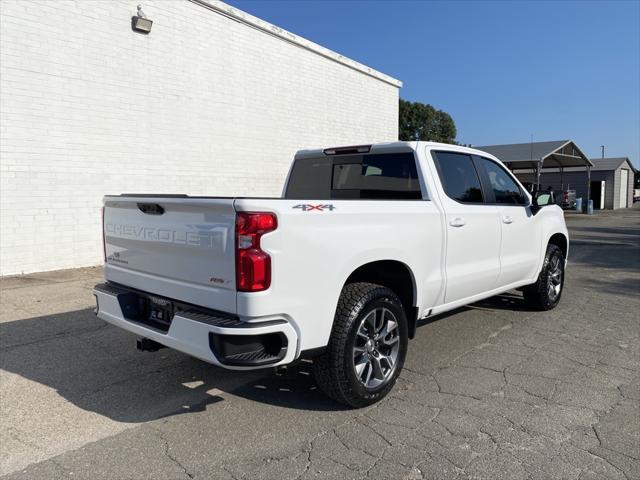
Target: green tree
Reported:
[(419, 121)]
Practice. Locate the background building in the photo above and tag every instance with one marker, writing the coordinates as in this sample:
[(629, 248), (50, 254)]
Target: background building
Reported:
[(562, 166), (212, 101), (611, 182)]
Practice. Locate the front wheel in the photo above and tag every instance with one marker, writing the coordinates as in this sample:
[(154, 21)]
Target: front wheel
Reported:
[(545, 293), (367, 347)]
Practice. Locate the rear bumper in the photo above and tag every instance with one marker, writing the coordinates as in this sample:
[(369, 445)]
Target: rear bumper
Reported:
[(217, 338)]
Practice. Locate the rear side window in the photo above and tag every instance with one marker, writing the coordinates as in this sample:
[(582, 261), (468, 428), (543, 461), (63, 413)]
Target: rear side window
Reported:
[(459, 177), (310, 178), (389, 176), (505, 189)]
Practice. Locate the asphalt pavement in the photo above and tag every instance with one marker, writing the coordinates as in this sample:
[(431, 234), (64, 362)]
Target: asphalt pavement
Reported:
[(493, 390)]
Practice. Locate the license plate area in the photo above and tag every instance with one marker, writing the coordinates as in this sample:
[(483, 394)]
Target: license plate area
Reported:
[(156, 312), (159, 312)]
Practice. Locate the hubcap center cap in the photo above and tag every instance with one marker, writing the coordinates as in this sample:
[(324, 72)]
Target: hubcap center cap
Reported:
[(370, 346)]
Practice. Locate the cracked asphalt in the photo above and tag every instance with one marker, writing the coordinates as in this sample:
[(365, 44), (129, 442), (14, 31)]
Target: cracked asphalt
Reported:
[(489, 391)]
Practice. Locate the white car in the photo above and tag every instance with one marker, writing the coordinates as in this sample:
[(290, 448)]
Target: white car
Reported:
[(365, 242)]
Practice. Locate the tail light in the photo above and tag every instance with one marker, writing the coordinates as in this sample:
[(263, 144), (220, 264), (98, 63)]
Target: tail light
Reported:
[(253, 266), (565, 196), (104, 245)]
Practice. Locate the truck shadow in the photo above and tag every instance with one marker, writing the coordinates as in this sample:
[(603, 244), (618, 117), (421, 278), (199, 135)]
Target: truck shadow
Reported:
[(96, 367)]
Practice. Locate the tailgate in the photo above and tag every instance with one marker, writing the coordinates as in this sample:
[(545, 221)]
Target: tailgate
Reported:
[(174, 246)]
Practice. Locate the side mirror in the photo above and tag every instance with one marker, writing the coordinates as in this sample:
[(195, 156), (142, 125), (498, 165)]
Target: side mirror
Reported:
[(542, 198)]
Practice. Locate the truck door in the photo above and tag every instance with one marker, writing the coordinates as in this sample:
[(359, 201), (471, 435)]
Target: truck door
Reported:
[(473, 227), (520, 238)]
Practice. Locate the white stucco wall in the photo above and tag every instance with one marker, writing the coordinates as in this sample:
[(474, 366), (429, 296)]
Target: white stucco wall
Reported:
[(211, 102)]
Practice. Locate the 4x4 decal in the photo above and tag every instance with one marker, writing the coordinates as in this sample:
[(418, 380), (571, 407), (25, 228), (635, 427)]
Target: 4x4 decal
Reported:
[(308, 207)]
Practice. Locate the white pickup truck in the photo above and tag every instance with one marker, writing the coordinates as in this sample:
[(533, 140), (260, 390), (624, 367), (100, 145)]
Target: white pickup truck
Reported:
[(365, 242)]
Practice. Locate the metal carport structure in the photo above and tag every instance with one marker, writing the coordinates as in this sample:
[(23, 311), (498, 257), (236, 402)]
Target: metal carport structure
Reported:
[(537, 156)]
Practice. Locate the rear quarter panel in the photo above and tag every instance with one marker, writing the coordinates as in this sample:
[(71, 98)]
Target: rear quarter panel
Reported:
[(313, 253)]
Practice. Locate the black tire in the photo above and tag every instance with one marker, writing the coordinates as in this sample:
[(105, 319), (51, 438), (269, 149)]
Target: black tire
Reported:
[(545, 293), (335, 369)]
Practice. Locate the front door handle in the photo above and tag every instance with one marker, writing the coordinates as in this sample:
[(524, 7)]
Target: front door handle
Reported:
[(507, 219), (457, 222)]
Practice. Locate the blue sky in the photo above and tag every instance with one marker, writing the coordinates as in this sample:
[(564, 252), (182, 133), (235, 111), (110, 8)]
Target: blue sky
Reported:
[(503, 70)]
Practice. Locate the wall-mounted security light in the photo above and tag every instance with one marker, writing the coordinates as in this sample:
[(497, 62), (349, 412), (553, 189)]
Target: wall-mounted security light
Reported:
[(140, 22)]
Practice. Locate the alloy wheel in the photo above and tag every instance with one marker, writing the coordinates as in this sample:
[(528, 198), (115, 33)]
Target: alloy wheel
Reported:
[(375, 352), (554, 284)]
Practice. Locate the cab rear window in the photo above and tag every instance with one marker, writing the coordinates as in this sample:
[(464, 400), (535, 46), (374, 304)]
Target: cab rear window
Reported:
[(388, 176)]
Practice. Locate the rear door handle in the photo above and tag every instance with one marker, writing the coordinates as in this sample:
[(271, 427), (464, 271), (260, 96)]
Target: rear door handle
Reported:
[(507, 219), (457, 222)]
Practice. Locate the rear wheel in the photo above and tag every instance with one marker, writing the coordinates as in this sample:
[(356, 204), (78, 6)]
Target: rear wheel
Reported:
[(367, 347), (545, 293)]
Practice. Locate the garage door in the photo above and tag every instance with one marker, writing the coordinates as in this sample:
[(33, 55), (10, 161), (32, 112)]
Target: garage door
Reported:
[(624, 188)]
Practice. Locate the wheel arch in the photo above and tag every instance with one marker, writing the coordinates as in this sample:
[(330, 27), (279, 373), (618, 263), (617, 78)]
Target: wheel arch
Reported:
[(396, 276), (561, 241)]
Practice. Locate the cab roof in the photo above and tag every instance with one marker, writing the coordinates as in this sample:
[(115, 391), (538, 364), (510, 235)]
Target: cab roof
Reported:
[(386, 147)]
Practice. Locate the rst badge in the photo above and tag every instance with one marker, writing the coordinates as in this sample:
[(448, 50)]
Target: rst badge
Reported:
[(307, 207)]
